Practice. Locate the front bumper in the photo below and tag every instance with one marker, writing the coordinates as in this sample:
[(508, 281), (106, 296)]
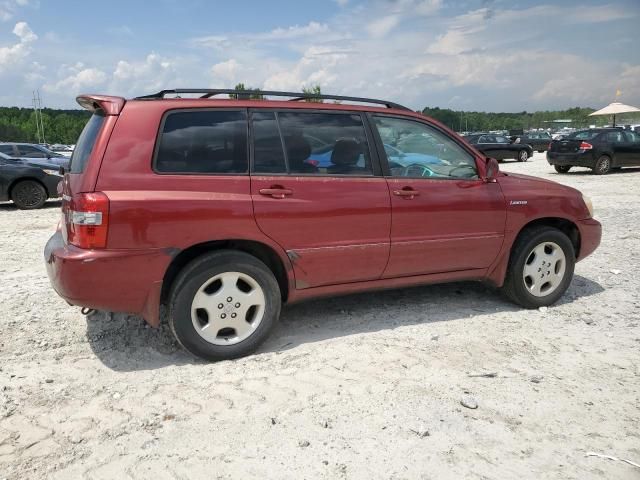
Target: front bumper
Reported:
[(590, 236), (571, 159), (113, 280)]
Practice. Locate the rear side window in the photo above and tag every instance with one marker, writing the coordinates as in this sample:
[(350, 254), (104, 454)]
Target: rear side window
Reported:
[(7, 149), (85, 143), (203, 142), (325, 143), (268, 154)]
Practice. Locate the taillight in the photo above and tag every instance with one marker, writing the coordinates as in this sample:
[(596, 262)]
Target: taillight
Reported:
[(585, 146), (549, 147), (87, 220)]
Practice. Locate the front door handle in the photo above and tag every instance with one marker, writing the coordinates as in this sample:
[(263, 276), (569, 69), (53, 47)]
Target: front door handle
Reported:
[(407, 193), (275, 192)]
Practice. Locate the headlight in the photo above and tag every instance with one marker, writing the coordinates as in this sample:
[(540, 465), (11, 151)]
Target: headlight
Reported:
[(52, 172), (588, 204)]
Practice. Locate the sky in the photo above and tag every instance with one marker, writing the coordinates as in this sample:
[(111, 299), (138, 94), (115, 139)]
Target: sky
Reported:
[(480, 55)]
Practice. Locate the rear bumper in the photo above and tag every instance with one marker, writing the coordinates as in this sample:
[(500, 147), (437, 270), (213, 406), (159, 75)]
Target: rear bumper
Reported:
[(571, 159), (113, 280), (590, 236)]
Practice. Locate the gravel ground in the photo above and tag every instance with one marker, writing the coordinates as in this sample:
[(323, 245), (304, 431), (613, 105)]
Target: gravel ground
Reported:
[(364, 386)]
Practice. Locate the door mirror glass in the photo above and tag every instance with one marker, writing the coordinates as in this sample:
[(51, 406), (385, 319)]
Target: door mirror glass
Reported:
[(491, 170)]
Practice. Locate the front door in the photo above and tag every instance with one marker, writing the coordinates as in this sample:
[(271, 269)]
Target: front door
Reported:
[(630, 149), (444, 217), (316, 193)]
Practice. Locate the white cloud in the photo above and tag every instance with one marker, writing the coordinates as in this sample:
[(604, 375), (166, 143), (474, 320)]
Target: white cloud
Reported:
[(78, 82), (225, 70), (382, 26), (12, 56), (23, 31), (342, 3), (313, 28), (8, 8)]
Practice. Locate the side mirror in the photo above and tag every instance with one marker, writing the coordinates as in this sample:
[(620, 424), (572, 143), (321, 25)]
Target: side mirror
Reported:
[(492, 167)]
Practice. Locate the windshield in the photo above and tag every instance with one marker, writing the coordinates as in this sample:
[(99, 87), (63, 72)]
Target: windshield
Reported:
[(584, 135)]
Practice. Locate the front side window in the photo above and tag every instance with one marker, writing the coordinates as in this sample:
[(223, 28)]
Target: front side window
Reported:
[(632, 137), (204, 142), (418, 150)]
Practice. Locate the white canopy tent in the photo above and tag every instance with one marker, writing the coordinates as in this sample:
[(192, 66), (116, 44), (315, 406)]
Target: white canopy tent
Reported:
[(614, 109)]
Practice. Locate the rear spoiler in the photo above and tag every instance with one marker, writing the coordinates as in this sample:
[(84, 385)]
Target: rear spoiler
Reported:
[(109, 105)]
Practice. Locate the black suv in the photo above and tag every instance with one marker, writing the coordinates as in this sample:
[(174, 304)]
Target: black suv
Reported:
[(601, 149)]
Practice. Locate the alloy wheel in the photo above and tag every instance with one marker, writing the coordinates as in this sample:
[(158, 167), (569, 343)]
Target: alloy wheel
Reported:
[(544, 269), (228, 308)]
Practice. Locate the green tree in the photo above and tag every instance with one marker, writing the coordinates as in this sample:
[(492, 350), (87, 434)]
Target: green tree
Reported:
[(313, 90)]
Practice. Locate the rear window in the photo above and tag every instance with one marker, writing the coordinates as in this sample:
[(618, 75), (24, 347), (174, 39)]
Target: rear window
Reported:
[(85, 143), (203, 142), (584, 135)]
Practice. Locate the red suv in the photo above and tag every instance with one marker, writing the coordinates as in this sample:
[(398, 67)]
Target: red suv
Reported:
[(225, 208)]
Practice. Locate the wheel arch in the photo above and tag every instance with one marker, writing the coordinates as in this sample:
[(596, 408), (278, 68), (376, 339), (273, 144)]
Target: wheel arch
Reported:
[(498, 272), (566, 226), (263, 252)]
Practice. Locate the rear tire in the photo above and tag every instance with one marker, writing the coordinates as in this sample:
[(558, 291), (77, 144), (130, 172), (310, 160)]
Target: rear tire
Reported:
[(544, 251), (28, 195), (523, 156), (205, 297), (603, 165), (562, 168)]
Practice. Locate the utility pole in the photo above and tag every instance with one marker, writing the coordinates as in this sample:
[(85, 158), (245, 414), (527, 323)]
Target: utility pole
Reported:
[(35, 111), (40, 111)]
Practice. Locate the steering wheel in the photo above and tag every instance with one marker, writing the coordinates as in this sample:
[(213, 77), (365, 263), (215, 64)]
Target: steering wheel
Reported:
[(424, 170), (461, 167)]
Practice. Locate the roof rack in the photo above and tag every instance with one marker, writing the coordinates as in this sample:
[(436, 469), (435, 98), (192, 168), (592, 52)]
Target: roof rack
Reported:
[(246, 95)]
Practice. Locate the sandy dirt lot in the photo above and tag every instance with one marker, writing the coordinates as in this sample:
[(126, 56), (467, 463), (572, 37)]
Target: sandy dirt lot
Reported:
[(365, 386)]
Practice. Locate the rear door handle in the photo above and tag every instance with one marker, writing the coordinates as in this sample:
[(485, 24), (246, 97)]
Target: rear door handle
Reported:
[(406, 193), (275, 192)]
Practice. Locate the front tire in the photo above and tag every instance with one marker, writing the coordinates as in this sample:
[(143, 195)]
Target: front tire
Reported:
[(523, 156), (562, 168), (540, 267), (28, 195), (603, 165), (223, 305)]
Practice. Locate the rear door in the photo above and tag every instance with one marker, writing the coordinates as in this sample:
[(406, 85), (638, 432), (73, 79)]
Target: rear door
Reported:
[(444, 217), (316, 192)]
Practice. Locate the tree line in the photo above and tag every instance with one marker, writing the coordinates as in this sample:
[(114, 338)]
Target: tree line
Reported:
[(64, 126), (485, 121)]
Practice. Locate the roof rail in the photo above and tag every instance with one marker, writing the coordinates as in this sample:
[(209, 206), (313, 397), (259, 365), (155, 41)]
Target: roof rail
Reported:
[(246, 94)]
